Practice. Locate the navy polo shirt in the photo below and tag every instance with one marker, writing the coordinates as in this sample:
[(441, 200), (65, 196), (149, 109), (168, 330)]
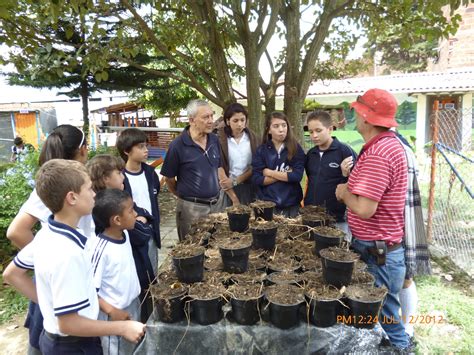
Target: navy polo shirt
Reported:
[(324, 174), (195, 169)]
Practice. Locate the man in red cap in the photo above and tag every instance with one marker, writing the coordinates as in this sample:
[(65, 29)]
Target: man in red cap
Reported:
[(375, 197)]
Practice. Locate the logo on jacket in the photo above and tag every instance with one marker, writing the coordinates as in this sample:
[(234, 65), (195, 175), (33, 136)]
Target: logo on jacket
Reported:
[(283, 167), (333, 165)]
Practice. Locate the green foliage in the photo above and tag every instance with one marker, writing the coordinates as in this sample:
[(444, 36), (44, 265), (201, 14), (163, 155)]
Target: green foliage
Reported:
[(15, 186), (102, 149), (406, 113), (11, 303)]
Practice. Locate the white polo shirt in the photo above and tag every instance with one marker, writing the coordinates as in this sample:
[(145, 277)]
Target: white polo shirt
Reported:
[(115, 275), (240, 155), (63, 271), (36, 208)]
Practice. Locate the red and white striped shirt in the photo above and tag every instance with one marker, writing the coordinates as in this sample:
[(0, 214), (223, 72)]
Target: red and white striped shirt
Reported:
[(380, 174)]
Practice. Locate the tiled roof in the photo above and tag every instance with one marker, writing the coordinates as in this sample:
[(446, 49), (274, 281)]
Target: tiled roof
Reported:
[(454, 80)]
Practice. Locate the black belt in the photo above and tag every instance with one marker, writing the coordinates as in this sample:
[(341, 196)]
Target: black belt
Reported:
[(203, 201), (65, 339), (391, 247)]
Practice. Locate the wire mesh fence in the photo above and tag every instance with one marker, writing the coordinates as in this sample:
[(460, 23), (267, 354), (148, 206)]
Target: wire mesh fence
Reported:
[(448, 193)]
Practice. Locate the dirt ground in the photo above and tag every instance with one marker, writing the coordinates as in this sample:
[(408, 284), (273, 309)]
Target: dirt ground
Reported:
[(14, 337)]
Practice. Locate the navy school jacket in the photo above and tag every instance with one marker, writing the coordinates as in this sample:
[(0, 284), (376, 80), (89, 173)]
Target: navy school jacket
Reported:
[(324, 174), (284, 194)]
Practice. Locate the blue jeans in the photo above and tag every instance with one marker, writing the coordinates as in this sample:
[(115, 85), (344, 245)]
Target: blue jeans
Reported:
[(391, 275)]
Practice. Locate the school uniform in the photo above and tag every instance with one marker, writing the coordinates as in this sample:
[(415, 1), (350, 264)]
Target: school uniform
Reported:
[(64, 284), (116, 281), (323, 169), (144, 187), (286, 195), (36, 208)]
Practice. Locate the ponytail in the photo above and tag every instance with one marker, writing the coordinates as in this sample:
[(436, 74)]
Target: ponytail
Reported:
[(62, 143)]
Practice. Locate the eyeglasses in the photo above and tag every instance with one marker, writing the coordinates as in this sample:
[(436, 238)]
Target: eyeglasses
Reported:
[(82, 140)]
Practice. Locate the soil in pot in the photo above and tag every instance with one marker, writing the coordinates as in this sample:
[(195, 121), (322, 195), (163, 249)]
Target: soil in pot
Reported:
[(253, 276), (245, 299), (363, 278), (326, 237), (206, 302), (235, 253), (284, 278), (313, 278), (365, 304), (338, 265), (188, 261), (218, 278), (169, 300), (168, 277), (313, 209), (311, 263), (314, 219), (239, 217), (283, 264), (323, 305), (263, 209), (197, 238), (257, 263), (264, 234), (213, 260), (285, 302)]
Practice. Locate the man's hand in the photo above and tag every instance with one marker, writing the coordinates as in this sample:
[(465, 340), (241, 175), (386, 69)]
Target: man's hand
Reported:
[(341, 190), (346, 166), (267, 172), (133, 331)]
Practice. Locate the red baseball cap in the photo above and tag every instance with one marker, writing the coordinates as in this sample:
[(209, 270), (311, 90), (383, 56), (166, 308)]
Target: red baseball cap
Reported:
[(378, 107)]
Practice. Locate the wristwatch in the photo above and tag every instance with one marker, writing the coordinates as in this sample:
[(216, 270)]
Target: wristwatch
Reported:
[(234, 182)]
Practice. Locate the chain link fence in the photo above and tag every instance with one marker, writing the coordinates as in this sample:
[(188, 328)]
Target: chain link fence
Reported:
[(448, 186)]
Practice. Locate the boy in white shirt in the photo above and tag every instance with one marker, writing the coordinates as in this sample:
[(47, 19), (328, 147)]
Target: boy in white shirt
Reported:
[(64, 288), (115, 274)]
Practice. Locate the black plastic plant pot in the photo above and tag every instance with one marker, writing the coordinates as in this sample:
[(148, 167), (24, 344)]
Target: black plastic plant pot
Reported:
[(206, 312), (313, 224), (266, 213), (246, 312), (171, 310), (323, 313), (189, 270), (337, 273), (238, 222), (272, 279), (364, 314), (236, 261), (323, 242), (264, 238), (284, 316)]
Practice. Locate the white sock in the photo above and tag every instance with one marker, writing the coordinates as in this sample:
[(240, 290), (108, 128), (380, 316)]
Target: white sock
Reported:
[(409, 301)]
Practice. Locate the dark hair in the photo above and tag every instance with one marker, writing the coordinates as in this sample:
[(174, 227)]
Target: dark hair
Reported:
[(231, 110), (290, 141), (18, 141), (128, 139), (56, 178), (108, 203), (62, 143), (321, 116), (100, 167)]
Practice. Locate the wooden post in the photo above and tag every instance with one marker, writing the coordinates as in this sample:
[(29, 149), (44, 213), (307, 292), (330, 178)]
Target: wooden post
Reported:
[(431, 198)]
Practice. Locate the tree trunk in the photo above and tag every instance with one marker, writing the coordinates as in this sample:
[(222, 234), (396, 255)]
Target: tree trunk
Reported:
[(85, 106), (254, 104), (291, 100)]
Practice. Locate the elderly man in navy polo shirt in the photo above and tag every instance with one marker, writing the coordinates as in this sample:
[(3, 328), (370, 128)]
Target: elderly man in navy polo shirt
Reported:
[(191, 168)]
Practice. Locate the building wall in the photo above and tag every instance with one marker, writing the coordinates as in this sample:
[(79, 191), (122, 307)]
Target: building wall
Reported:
[(458, 50)]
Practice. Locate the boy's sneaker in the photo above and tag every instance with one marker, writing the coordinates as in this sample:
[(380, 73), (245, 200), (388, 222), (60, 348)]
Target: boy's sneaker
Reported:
[(386, 347)]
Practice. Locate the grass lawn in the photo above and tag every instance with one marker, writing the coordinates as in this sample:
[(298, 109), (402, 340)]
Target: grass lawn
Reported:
[(11, 303), (443, 300)]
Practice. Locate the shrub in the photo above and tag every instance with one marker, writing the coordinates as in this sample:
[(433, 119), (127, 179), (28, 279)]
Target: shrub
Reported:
[(16, 184)]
